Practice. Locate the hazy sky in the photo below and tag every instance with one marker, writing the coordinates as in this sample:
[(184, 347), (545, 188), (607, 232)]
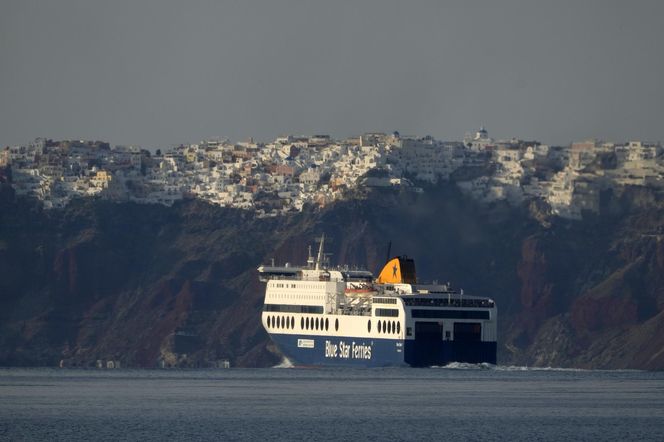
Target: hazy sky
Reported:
[(158, 72)]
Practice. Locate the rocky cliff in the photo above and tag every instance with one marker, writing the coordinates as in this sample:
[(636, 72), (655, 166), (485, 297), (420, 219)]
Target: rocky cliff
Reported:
[(150, 285)]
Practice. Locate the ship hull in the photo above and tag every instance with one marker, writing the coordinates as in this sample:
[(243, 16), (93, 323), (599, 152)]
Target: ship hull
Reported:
[(349, 351)]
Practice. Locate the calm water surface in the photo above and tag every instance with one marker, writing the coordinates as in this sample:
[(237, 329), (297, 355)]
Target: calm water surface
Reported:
[(462, 403)]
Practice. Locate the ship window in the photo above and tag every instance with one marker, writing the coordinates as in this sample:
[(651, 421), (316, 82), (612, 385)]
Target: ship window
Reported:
[(316, 323), (292, 322), (327, 324), (301, 323), (307, 323), (269, 322), (289, 308), (390, 312), (389, 327), (278, 322), (336, 324), (380, 327), (369, 325), (287, 322), (450, 314), (398, 327)]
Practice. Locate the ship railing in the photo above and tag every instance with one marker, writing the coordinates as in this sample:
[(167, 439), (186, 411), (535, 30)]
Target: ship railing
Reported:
[(449, 302), (353, 310), (264, 277)]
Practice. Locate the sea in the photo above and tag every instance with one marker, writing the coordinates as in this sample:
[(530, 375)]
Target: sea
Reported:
[(456, 402)]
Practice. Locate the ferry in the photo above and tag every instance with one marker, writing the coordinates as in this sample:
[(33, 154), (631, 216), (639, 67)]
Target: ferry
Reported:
[(318, 316)]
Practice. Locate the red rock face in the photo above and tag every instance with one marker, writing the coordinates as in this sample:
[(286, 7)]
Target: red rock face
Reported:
[(536, 286), (140, 284), (589, 314), (65, 269), (659, 271)]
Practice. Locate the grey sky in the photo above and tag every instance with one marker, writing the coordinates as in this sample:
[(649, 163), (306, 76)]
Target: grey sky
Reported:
[(160, 72)]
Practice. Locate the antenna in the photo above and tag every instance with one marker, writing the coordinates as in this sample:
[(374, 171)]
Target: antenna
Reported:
[(310, 259), (319, 258)]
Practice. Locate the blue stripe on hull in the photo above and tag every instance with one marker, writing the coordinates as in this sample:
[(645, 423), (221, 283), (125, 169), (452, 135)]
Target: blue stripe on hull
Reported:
[(365, 352), (340, 350)]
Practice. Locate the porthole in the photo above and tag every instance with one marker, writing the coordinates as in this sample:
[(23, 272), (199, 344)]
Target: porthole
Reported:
[(327, 324), (336, 324), (278, 323), (292, 322), (394, 326), (398, 327), (302, 323), (269, 322), (316, 323), (307, 323), (380, 327), (369, 325), (389, 327)]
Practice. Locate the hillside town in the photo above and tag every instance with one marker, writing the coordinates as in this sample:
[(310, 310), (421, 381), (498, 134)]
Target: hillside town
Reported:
[(290, 172)]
